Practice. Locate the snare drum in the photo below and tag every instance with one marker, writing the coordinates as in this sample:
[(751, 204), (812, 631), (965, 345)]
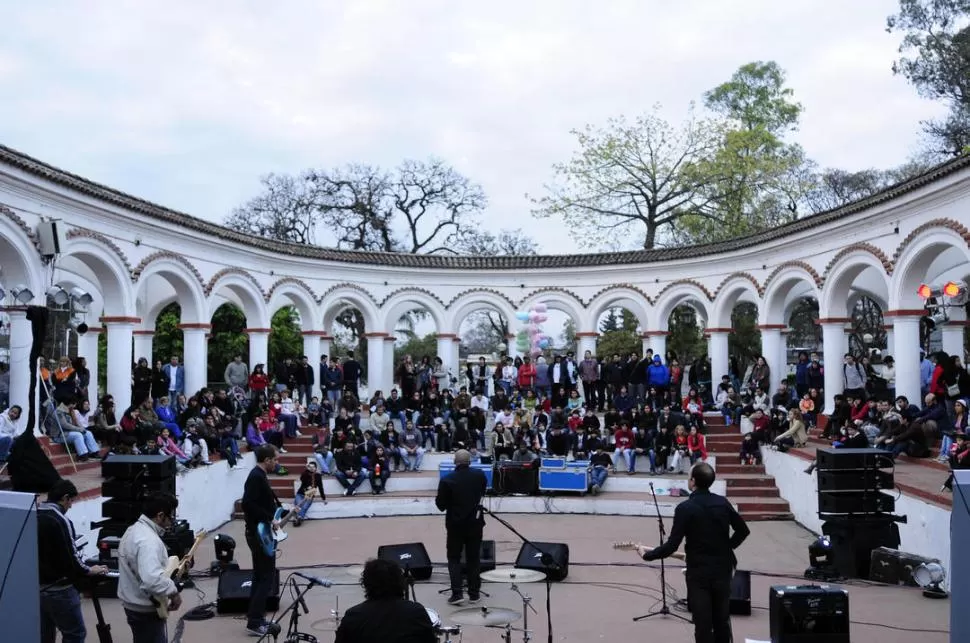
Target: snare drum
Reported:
[(433, 615)]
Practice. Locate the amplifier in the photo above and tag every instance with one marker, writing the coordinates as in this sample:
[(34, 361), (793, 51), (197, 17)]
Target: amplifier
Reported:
[(127, 467), (854, 537), (412, 557), (515, 478), (233, 592), (852, 459), (108, 548), (855, 480), (855, 502), (894, 567), (121, 489), (530, 557), (486, 557), (808, 614)]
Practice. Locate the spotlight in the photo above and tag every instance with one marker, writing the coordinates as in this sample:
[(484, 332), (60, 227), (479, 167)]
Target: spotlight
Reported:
[(81, 298), (225, 551), (78, 326), (58, 295), (820, 558), (930, 577), (22, 294)]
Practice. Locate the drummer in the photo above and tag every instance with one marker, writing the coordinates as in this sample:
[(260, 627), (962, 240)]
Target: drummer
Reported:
[(386, 616)]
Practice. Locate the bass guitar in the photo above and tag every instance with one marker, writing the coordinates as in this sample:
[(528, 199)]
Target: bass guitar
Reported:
[(269, 538), (175, 569), (633, 546)]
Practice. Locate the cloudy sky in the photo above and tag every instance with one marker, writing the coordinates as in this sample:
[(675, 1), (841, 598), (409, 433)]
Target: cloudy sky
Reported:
[(189, 103)]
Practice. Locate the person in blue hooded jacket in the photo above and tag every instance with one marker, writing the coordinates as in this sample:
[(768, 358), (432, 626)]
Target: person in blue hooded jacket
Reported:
[(658, 375)]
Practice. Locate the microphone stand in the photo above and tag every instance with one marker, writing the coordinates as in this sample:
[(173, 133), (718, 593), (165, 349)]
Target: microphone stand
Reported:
[(664, 608), (292, 633), (409, 579), (546, 559)]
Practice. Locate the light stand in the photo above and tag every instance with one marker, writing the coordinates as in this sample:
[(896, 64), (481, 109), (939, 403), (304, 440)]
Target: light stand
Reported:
[(546, 559), (664, 608)]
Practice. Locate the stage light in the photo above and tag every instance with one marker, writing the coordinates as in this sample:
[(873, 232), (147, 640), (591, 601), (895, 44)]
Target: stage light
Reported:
[(820, 557), (58, 295), (924, 291), (81, 299), (225, 548), (22, 294), (956, 292), (78, 326), (930, 577)]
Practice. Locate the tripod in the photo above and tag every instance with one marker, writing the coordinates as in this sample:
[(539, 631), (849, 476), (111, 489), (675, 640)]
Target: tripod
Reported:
[(664, 608), (103, 628), (547, 561)]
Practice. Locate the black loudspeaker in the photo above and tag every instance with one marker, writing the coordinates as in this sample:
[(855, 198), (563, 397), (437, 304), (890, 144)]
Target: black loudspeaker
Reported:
[(128, 467), (233, 593), (828, 459), (855, 480), (123, 511), (808, 614), (894, 567), (853, 541), (412, 557), (530, 558), (487, 557), (741, 593), (136, 489), (855, 502), (515, 477)]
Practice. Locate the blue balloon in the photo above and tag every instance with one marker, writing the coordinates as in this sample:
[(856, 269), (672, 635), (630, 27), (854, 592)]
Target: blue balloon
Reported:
[(522, 316), (543, 343)]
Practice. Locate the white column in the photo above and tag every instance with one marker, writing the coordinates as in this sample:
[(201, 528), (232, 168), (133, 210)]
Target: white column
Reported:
[(587, 342), (375, 362), (658, 342), (448, 351), (119, 359), (771, 351), (833, 351), (311, 348), (952, 333), (258, 347), (87, 347), (906, 328), (196, 356), (387, 368), (143, 345), (783, 354), (21, 340), (510, 346), (890, 341), (645, 343), (325, 347), (718, 346)]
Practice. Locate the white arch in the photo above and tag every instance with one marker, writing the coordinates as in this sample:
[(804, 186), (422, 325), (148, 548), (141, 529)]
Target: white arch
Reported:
[(149, 319), (114, 280), (471, 301), (19, 262), (291, 294), (401, 302), (347, 297), (833, 302), (680, 294), (249, 298), (773, 310), (189, 294), (623, 297), (914, 262), (727, 298), (566, 303)]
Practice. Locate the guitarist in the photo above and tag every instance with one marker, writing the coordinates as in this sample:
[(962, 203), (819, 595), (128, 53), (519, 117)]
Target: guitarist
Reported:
[(259, 505), (142, 559), (706, 520)]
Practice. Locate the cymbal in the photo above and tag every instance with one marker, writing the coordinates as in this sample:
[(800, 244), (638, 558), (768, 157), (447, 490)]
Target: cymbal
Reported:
[(485, 616), (512, 575)]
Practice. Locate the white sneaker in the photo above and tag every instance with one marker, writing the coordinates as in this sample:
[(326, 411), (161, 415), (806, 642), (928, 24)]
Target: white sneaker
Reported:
[(299, 435), (283, 450)]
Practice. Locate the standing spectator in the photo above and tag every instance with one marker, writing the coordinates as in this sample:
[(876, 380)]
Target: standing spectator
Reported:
[(236, 373), (352, 372), (9, 429), (64, 380), (176, 378), (589, 373), (159, 387), (853, 377)]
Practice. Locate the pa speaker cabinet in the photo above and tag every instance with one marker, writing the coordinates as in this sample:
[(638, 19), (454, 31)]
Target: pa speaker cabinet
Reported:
[(530, 557), (122, 489), (740, 602), (808, 614), (127, 467), (486, 557), (829, 459), (412, 557), (855, 502), (50, 238), (853, 540), (233, 593), (855, 480)]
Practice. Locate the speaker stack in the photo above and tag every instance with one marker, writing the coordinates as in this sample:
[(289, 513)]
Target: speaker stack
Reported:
[(856, 509)]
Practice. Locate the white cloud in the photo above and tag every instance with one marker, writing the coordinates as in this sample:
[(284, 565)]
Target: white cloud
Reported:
[(188, 103)]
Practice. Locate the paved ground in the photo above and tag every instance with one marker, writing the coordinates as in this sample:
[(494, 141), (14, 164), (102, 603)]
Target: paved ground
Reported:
[(604, 591)]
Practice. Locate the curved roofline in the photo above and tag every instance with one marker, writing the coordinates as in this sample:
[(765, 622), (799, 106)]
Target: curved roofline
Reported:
[(407, 260)]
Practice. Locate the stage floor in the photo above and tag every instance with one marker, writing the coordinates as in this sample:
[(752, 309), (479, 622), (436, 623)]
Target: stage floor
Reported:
[(605, 588)]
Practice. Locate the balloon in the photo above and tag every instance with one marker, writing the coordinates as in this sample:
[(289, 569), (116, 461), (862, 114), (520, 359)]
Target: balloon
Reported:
[(521, 335), (533, 317), (543, 343), (522, 316), (533, 330), (541, 317), (539, 308)]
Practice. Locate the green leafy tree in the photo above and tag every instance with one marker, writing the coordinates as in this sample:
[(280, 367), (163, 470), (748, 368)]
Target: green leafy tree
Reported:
[(286, 337), (416, 347), (226, 340), (744, 342), (686, 338), (568, 335), (611, 322), (168, 339)]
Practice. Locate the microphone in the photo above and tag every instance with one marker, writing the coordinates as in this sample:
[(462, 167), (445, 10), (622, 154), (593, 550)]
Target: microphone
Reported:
[(314, 580)]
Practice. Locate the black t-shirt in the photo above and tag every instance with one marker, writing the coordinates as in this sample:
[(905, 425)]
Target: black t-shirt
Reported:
[(392, 620)]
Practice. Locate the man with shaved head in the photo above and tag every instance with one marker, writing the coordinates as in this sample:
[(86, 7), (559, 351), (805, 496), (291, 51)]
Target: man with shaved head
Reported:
[(460, 497)]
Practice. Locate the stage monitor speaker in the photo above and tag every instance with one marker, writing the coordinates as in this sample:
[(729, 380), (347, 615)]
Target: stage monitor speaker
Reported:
[(829, 459), (412, 557), (232, 596), (854, 539), (530, 558), (486, 556), (127, 467), (808, 614), (120, 489), (895, 567)]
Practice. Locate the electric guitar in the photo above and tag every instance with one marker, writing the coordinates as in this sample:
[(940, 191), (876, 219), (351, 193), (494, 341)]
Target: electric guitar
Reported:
[(630, 545), (175, 568), (269, 538)]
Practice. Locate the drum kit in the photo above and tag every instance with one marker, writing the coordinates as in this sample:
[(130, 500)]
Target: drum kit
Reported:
[(495, 617)]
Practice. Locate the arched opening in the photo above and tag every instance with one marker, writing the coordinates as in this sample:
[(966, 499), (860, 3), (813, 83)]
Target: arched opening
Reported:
[(226, 340), (620, 333), (167, 341), (285, 338)]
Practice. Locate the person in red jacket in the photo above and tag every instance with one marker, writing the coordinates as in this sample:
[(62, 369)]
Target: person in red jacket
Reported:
[(527, 374), (696, 445), (624, 440)]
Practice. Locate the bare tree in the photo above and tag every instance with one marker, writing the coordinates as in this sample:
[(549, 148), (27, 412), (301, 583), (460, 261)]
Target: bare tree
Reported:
[(287, 210)]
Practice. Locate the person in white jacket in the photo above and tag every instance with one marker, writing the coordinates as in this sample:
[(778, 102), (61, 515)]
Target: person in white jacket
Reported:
[(10, 427), (142, 557)]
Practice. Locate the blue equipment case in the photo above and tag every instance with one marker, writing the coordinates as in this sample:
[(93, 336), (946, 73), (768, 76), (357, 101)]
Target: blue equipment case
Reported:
[(553, 463), (574, 476), (445, 468)]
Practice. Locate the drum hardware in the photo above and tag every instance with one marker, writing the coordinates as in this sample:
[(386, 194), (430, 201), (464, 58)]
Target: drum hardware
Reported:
[(335, 613), (513, 575), (526, 606), (486, 616), (448, 631)]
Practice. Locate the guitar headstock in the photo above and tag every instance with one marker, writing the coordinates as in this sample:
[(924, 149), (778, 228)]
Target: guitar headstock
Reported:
[(626, 545)]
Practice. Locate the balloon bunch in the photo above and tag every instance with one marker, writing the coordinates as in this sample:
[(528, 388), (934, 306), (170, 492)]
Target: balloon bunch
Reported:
[(530, 338)]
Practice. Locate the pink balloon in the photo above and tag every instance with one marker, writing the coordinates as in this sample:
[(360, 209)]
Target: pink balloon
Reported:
[(539, 308)]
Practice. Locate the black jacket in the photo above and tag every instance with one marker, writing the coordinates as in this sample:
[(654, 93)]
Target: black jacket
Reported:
[(393, 619), (706, 520), (857, 441), (347, 461), (460, 496), (259, 503), (60, 562)]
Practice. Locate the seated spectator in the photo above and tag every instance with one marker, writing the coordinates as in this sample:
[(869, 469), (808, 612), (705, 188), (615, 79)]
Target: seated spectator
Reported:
[(501, 445), (601, 461), (193, 444), (624, 442), (168, 446), (10, 427), (696, 445), (644, 445), (349, 472), (796, 435), (959, 423), (750, 450), (379, 470), (62, 430), (959, 458), (523, 453), (166, 415), (309, 479), (679, 461), (412, 453)]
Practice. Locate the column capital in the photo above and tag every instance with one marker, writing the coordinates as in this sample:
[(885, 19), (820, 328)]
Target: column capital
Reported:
[(120, 320), (588, 334), (253, 331), (446, 336), (390, 338), (374, 335), (14, 310), (772, 327), (205, 327), (139, 333), (718, 330), (911, 312), (95, 330), (655, 333), (322, 334), (833, 320)]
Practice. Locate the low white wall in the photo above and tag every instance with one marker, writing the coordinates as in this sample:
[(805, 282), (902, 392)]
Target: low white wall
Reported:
[(926, 532), (207, 496)]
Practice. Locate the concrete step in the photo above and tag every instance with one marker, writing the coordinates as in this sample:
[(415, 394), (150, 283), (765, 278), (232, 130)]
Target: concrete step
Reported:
[(762, 504), (769, 515), (747, 480), (753, 492), (729, 468)]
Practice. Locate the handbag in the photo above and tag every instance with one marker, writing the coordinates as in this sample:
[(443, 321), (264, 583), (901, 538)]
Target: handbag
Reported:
[(953, 390)]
